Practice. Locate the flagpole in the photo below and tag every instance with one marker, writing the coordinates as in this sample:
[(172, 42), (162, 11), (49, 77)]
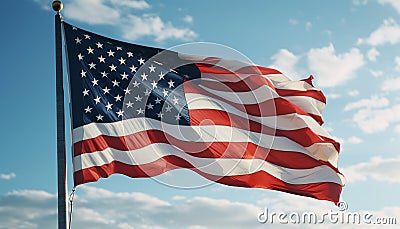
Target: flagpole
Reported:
[(61, 155)]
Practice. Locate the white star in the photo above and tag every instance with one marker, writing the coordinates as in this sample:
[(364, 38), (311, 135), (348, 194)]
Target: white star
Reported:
[(109, 106), (119, 48), (85, 92), (141, 61), (133, 68), (140, 111), (95, 81), (124, 76), (161, 75), (154, 84), (99, 45), (110, 53), (83, 74), (113, 67), (106, 90), (99, 117), (118, 98), (144, 76), (115, 83), (171, 84), (87, 36), (92, 65), (74, 28), (90, 50), (120, 113), (80, 56), (127, 91), (150, 106), (177, 117), (130, 54), (168, 108), (147, 92), (88, 109), (138, 98), (165, 92), (104, 74), (78, 40), (160, 115), (129, 104), (121, 60), (152, 68), (135, 84), (102, 59), (157, 101), (97, 99), (176, 100)]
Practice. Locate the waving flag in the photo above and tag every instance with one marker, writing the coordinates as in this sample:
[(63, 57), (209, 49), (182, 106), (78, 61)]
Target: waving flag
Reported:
[(142, 111)]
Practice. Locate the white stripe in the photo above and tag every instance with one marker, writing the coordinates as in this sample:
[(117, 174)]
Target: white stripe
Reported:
[(282, 122), (265, 93), (283, 82), (207, 134), (213, 166), (307, 104), (280, 81)]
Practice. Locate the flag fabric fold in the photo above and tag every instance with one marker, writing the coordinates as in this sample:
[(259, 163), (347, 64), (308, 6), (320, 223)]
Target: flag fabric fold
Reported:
[(142, 111)]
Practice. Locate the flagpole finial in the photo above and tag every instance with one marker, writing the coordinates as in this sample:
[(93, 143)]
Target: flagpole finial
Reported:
[(57, 6)]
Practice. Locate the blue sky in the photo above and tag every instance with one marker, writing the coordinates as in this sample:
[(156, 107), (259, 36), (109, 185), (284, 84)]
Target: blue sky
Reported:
[(351, 47)]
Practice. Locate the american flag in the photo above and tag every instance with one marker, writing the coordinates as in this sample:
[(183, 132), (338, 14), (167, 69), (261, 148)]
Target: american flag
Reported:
[(142, 111)]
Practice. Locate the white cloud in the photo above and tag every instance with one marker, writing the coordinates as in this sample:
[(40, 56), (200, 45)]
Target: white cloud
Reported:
[(285, 61), (391, 84), (376, 73), (397, 129), (308, 26), (394, 3), (45, 4), (373, 102), (139, 5), (28, 209), (360, 2), (353, 93), (354, 140), (150, 25), (188, 19), (397, 61), (333, 69), (7, 176), (37, 209), (92, 12), (373, 54), (293, 22), (388, 32), (178, 198), (118, 13), (100, 208), (376, 168), (333, 96), (376, 120)]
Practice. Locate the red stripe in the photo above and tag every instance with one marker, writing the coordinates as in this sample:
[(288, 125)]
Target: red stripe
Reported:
[(323, 191), (272, 107), (254, 82), (212, 68), (304, 136), (238, 150)]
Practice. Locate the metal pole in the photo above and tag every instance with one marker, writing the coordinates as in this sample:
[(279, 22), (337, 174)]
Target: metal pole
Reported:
[(61, 157)]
